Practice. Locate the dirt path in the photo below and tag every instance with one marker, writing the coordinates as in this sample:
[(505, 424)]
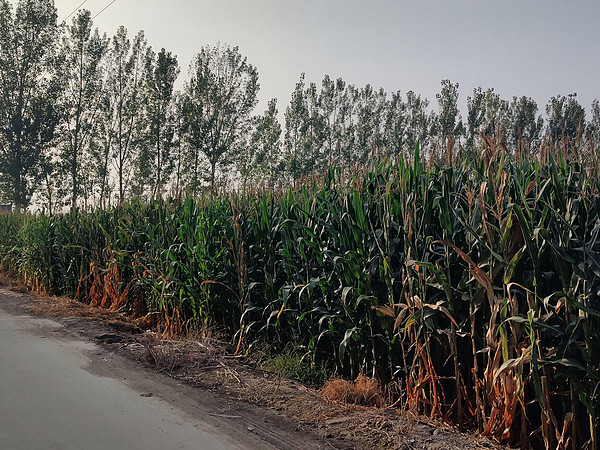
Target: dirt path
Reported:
[(62, 392)]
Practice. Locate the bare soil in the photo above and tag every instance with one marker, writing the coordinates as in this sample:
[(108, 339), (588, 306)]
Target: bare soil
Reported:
[(234, 391)]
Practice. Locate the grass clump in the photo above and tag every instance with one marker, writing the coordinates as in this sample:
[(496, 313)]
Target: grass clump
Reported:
[(292, 364), (362, 391)]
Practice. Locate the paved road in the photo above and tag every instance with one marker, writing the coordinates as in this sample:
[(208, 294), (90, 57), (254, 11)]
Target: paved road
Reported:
[(49, 401)]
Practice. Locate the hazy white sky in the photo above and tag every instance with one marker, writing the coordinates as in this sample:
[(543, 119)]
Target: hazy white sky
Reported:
[(537, 48)]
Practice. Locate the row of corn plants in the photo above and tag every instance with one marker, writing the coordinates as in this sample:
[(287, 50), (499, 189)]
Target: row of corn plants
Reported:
[(471, 291)]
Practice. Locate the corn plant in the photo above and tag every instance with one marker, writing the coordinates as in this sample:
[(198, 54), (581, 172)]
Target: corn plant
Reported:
[(469, 290)]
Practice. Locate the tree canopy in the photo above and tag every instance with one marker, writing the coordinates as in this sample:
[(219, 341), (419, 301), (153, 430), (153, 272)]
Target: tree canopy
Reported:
[(90, 120)]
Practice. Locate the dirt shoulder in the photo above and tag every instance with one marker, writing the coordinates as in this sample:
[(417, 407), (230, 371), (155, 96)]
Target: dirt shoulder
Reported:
[(204, 380)]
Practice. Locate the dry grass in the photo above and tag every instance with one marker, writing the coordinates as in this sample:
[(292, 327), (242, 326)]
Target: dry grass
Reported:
[(211, 364), (362, 391), (12, 282), (171, 356)]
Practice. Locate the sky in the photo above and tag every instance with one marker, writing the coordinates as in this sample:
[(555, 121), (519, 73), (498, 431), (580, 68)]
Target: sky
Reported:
[(538, 48)]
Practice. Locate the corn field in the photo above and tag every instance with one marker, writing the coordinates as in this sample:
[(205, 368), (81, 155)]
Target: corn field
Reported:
[(470, 291)]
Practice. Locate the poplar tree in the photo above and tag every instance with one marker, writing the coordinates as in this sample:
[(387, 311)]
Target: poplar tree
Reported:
[(370, 122), (475, 117), (450, 126), (487, 115), (125, 89), (28, 92), (525, 124), (82, 98), (218, 101), (496, 117), (261, 158), (155, 160), (333, 102), (593, 131), (100, 150), (566, 120), (395, 124), (418, 121), (304, 132)]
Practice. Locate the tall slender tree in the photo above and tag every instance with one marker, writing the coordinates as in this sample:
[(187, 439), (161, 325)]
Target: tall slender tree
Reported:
[(305, 132), (296, 119), (593, 133), (154, 160), (334, 109), (82, 97), (28, 91), (418, 120), (496, 119), (395, 124), (181, 156), (100, 151), (218, 101), (525, 124), (566, 120), (449, 120), (260, 160), (475, 117), (370, 122), (125, 89)]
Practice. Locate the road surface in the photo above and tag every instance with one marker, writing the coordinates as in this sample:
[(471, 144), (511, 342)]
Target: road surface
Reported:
[(49, 401)]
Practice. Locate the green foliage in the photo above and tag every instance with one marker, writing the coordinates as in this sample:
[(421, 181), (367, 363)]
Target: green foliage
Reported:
[(125, 83), (28, 93), (155, 159), (218, 101), (292, 364), (449, 121), (471, 289), (261, 159), (82, 53), (566, 118)]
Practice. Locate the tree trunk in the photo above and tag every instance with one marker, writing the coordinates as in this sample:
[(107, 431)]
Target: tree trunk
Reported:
[(213, 167), (157, 190), (74, 180), (121, 189)]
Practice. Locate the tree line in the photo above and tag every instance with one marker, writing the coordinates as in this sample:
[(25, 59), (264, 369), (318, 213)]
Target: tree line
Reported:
[(87, 119)]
